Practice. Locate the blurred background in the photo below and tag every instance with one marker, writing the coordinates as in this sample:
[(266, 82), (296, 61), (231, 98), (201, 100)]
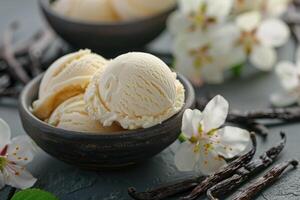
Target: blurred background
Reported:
[(207, 41)]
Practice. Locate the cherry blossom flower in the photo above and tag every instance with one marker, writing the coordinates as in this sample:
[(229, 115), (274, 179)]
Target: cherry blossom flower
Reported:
[(199, 14), (289, 75), (14, 155), (257, 38), (205, 56), (208, 142)]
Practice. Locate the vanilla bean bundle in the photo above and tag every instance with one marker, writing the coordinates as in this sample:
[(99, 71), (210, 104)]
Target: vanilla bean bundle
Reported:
[(249, 170), (222, 182), (20, 63), (270, 177)]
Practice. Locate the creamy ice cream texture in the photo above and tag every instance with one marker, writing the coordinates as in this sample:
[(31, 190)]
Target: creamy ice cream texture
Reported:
[(71, 115), (137, 90), (86, 10), (135, 9), (110, 10), (65, 78)]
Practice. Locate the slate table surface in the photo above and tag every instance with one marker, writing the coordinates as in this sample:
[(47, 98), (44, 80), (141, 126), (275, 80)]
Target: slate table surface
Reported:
[(70, 183)]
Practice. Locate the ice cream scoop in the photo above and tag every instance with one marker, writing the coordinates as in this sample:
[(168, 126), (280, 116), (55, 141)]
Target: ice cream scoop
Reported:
[(86, 10), (66, 77), (135, 9), (71, 115), (137, 90)]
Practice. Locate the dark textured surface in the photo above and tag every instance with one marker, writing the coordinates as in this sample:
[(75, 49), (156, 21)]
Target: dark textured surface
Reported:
[(71, 183), (94, 151)]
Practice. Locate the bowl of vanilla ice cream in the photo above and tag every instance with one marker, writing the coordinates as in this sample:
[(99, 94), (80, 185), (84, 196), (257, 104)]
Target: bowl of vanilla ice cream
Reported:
[(107, 26), (97, 113)]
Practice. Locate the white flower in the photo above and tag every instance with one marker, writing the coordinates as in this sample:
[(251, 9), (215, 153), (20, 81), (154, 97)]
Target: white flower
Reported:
[(208, 142), (289, 75), (269, 8), (199, 14), (14, 155), (257, 38), (204, 56)]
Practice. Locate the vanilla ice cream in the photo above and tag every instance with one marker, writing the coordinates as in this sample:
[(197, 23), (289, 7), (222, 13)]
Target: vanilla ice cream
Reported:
[(71, 115), (66, 77), (137, 90), (86, 10), (135, 9)]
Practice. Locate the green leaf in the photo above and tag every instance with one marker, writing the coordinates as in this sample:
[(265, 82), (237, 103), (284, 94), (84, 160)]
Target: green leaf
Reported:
[(237, 70), (33, 194)]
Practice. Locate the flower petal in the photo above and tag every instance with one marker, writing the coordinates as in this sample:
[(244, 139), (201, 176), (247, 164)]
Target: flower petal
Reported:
[(191, 121), (263, 57), (185, 158), (209, 161), (232, 141), (177, 23), (4, 134), (248, 21), (18, 177), (184, 61), (273, 32), (215, 113), (20, 151), (219, 9), (288, 74), (283, 99), (220, 46)]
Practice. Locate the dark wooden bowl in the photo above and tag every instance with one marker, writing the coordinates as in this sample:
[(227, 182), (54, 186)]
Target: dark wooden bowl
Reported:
[(106, 38), (92, 151)]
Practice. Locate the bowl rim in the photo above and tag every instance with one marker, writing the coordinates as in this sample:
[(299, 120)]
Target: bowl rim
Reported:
[(59, 132), (45, 5)]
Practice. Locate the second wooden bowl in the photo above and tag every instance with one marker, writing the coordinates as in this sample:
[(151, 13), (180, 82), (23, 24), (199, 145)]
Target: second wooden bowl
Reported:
[(106, 38)]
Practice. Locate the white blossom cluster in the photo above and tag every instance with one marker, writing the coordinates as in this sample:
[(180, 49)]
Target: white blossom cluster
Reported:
[(213, 36)]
